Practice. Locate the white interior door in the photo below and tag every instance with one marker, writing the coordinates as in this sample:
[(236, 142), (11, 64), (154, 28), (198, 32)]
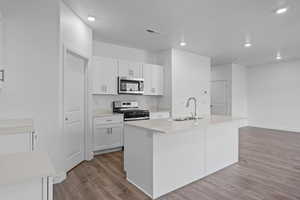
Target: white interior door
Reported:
[(74, 89), (219, 98)]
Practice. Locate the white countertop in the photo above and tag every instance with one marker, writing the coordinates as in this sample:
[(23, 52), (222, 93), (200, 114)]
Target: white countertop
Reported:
[(16, 126), (170, 126), (104, 113), (20, 167), (108, 113)]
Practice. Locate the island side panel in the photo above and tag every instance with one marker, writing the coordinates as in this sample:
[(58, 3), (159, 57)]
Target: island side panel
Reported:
[(178, 159), (222, 145), (138, 158)]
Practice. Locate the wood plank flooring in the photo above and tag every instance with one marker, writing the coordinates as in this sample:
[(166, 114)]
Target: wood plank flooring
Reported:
[(269, 169)]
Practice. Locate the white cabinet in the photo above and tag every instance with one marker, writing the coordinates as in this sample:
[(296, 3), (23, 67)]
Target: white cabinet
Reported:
[(130, 69), (157, 80), (222, 146), (107, 138), (36, 189), (153, 79), (159, 115), (26, 175), (15, 143), (108, 132), (105, 75), (1, 54), (17, 135)]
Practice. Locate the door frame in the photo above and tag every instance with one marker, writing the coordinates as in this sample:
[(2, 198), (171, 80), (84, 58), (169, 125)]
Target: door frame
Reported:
[(65, 50), (227, 94)]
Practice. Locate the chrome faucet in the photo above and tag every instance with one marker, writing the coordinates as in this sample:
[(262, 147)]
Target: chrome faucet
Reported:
[(195, 103)]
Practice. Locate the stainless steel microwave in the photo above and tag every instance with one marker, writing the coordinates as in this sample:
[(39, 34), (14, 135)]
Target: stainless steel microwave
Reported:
[(130, 85)]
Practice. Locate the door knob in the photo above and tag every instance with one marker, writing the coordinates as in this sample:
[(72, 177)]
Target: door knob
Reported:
[(66, 119)]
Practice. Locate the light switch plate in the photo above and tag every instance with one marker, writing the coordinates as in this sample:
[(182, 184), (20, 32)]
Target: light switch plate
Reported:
[(2, 75)]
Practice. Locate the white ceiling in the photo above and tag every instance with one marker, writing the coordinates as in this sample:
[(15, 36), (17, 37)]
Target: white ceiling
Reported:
[(215, 28)]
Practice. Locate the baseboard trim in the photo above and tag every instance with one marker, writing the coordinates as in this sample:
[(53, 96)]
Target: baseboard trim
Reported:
[(60, 177), (139, 188), (273, 129), (107, 151)]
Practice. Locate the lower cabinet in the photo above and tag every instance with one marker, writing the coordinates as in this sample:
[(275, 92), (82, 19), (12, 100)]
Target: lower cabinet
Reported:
[(16, 143), (108, 135), (35, 189)]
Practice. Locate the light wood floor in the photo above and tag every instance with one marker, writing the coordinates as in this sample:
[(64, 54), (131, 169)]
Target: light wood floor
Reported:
[(269, 168)]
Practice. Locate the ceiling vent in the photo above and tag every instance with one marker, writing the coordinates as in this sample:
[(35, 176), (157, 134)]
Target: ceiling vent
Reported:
[(151, 31)]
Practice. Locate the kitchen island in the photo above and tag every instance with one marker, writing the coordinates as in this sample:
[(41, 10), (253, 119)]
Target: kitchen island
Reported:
[(163, 155)]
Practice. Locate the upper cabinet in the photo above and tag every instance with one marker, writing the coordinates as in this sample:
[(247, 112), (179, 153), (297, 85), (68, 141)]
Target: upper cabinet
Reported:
[(153, 79), (130, 69), (105, 75)]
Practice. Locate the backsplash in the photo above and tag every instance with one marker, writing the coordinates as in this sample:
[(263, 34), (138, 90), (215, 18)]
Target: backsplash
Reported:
[(104, 102)]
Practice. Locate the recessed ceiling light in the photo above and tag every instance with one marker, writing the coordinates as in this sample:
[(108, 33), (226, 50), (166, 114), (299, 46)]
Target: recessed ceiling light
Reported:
[(281, 10), (182, 43), (91, 18), (247, 44), (278, 56)]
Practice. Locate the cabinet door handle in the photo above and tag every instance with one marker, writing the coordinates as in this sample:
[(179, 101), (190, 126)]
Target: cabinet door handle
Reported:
[(108, 131), (32, 140)]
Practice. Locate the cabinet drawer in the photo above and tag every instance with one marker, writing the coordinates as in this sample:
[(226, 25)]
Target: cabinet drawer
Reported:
[(108, 120)]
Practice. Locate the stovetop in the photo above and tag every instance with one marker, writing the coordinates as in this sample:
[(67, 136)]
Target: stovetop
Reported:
[(130, 110)]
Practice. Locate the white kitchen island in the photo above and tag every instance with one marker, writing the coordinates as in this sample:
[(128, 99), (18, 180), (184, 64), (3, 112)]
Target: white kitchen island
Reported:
[(163, 155)]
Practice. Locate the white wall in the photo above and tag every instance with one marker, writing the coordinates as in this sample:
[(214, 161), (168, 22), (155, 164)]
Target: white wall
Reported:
[(1, 42), (32, 68), (191, 78), (76, 36), (221, 72), (33, 54), (102, 49), (186, 75), (165, 58), (236, 76), (121, 52), (74, 32), (274, 96), (239, 98)]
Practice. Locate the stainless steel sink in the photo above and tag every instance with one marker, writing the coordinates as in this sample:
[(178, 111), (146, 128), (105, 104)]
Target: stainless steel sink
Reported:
[(187, 118)]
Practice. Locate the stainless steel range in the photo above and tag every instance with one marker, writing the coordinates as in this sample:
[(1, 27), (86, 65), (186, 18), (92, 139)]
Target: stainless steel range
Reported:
[(131, 110)]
